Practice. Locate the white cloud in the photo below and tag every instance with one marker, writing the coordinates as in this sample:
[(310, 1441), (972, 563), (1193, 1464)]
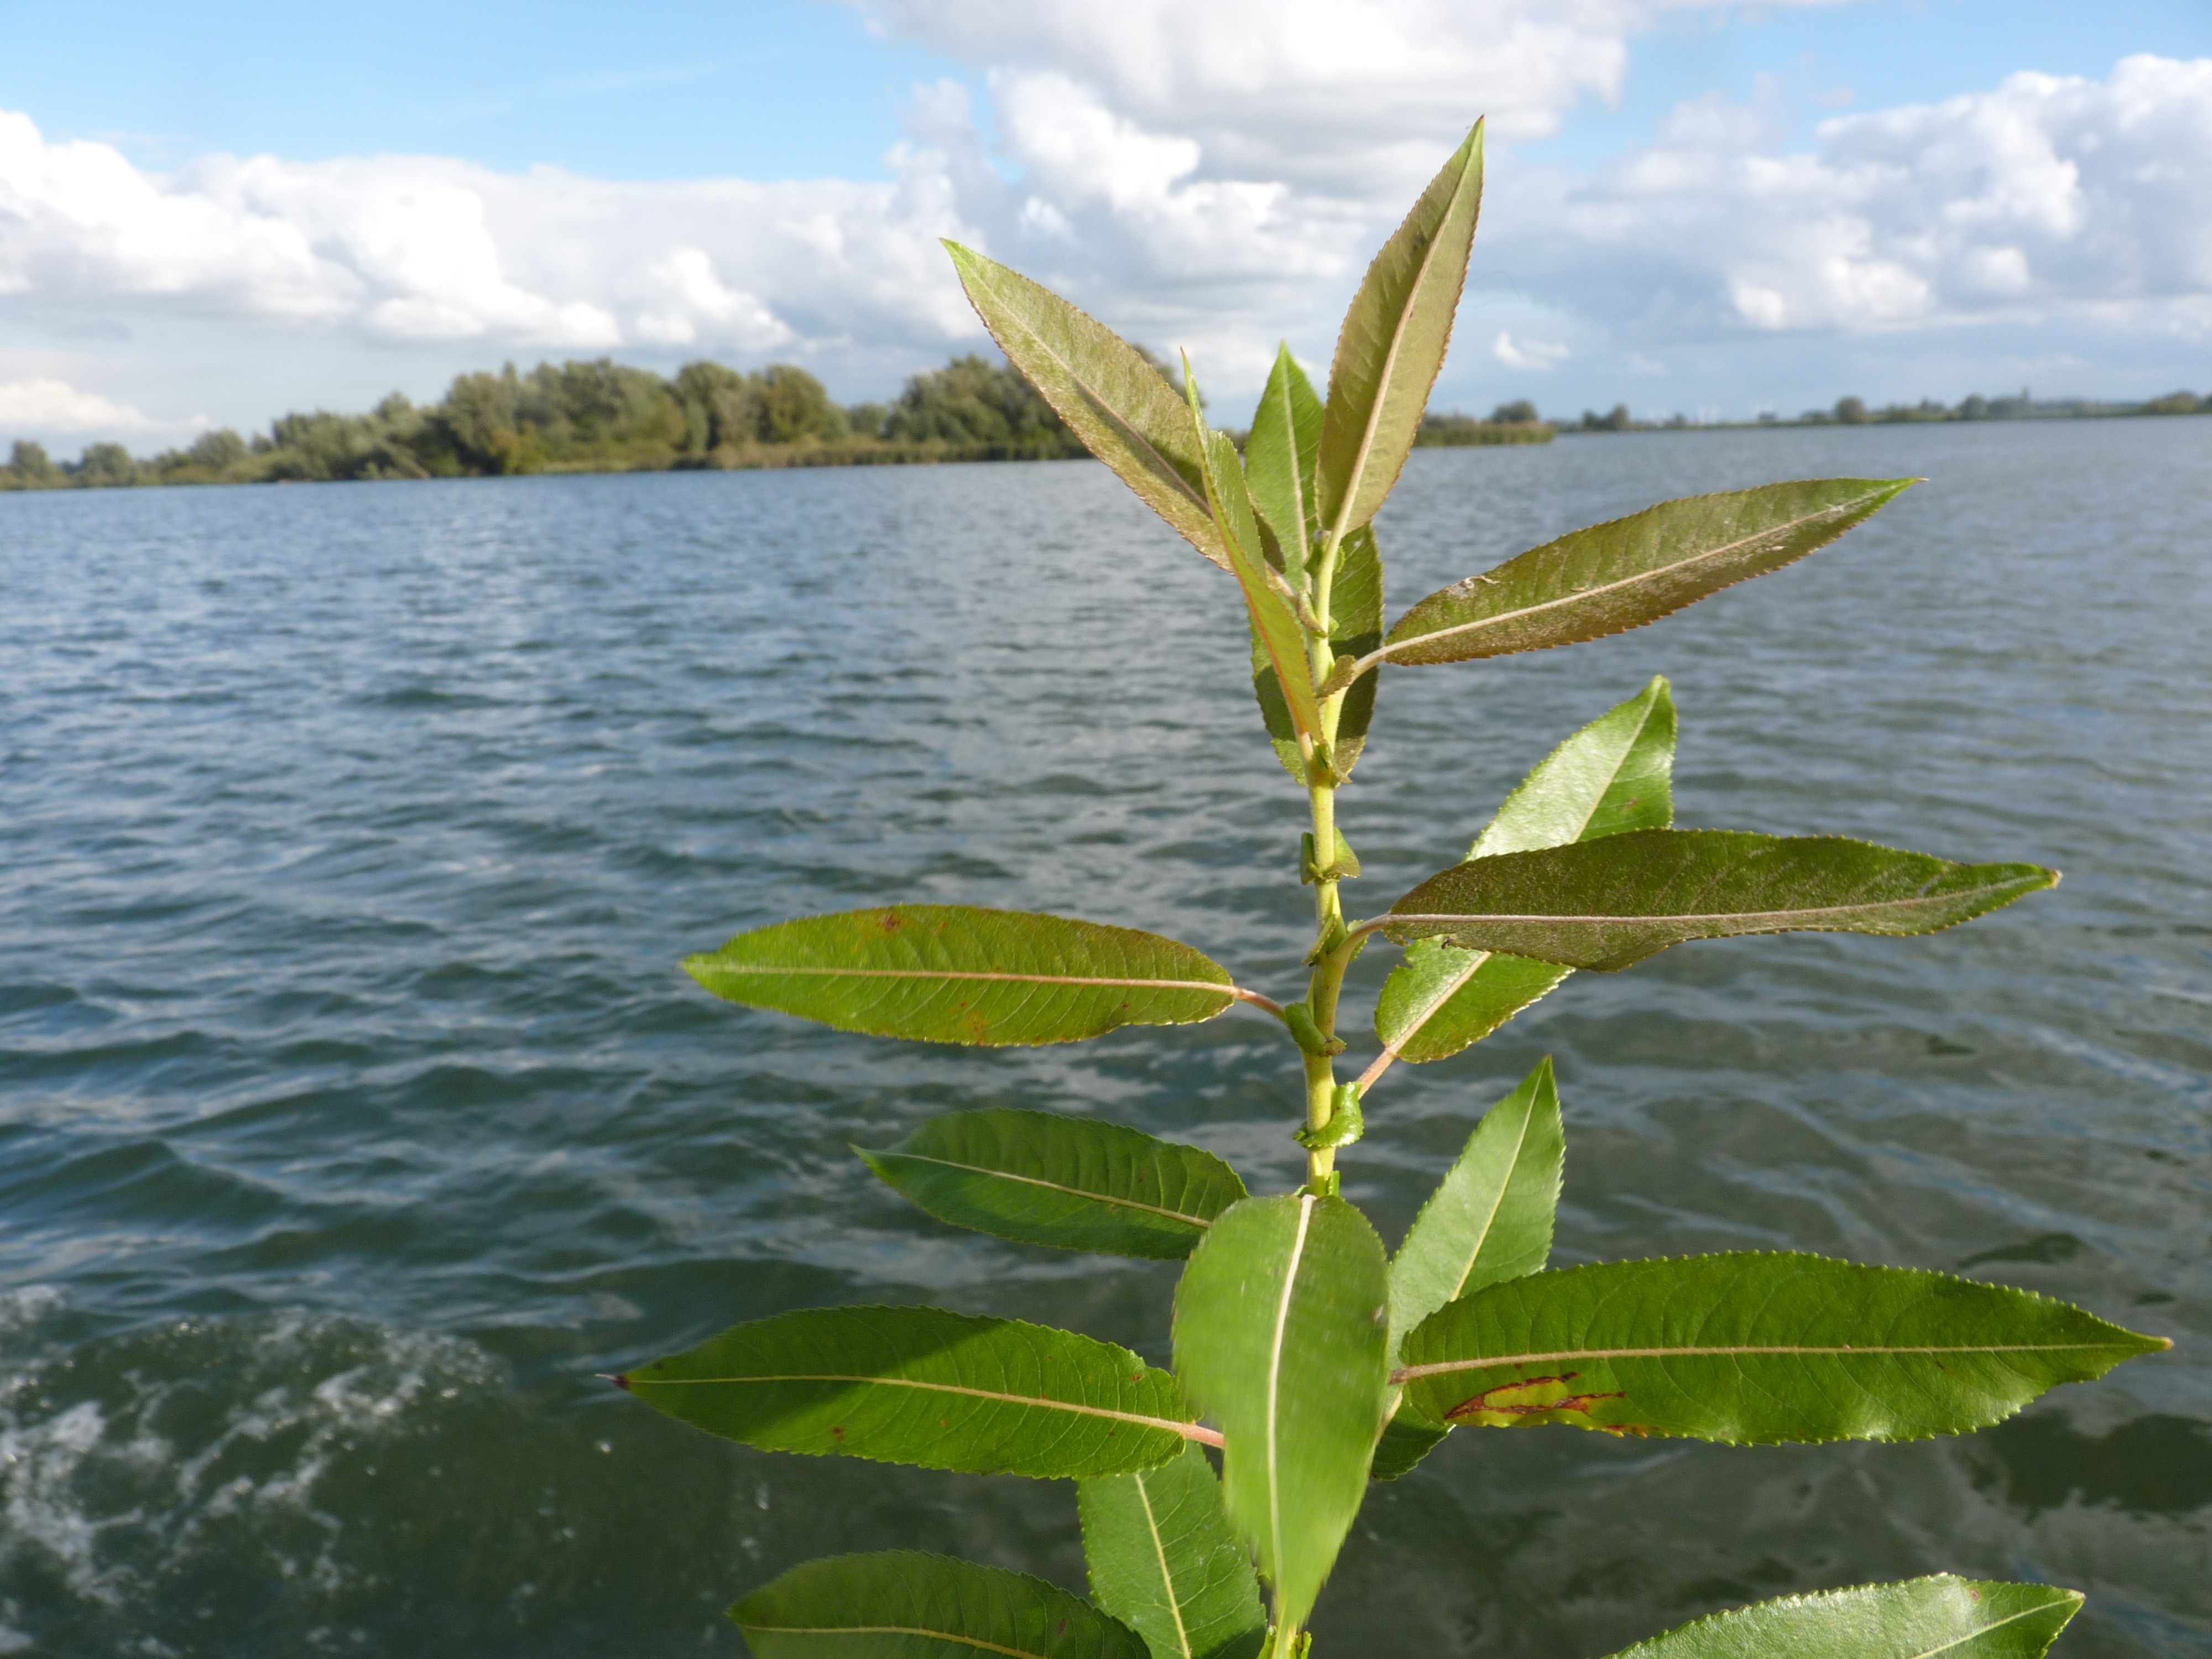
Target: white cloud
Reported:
[(1204, 176), (2044, 197), (56, 406), (414, 249), (1533, 355)]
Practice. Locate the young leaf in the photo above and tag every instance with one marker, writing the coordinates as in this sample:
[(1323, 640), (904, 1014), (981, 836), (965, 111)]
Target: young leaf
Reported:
[(1633, 570), (1918, 1618), (1071, 1183), (953, 973), (1163, 1561), (1111, 398), (1275, 623), (1279, 460), (1490, 1218), (1607, 904), (1393, 343), (1279, 1339), (1753, 1348), (919, 1385), (903, 1604), (1355, 628), (1614, 775)]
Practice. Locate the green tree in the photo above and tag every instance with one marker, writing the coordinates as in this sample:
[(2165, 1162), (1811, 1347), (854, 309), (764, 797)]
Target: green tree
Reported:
[(30, 463), (974, 402), (794, 406), (106, 463), (1519, 410), (1852, 411), (1309, 1358)]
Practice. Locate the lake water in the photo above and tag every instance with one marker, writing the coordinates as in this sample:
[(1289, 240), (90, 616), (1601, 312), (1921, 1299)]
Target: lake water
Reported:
[(353, 1115)]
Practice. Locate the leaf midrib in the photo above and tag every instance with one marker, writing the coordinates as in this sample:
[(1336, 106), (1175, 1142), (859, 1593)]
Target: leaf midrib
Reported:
[(1395, 918), (1167, 1574), (1051, 1186), (1138, 440), (1274, 1379), (1188, 1430), (1405, 1373), (1497, 1203), (1398, 332), (1581, 594), (713, 965), (1984, 1630)]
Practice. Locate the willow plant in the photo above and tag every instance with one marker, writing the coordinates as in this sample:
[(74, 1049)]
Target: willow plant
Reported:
[(1308, 1356)]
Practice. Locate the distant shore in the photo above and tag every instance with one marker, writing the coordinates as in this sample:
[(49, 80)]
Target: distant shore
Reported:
[(606, 418)]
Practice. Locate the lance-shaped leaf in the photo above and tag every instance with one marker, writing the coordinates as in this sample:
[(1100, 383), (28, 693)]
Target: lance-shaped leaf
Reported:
[(1753, 1348), (1355, 627), (903, 1604), (1633, 570), (1115, 402), (1918, 1618), (919, 1385), (1614, 775), (1281, 636), (1607, 904), (1393, 343), (1071, 1183), (953, 973), (1163, 1561), (1279, 460), (1490, 1218), (1279, 1339)]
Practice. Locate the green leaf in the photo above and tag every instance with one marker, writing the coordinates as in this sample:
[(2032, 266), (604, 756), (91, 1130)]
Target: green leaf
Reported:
[(1407, 1439), (1607, 904), (1490, 1218), (1111, 398), (1753, 1349), (1393, 343), (1279, 1339), (903, 1604), (1279, 460), (1275, 625), (1071, 1183), (1355, 613), (1163, 1562), (1614, 775), (1918, 1619), (919, 1385), (1633, 570), (953, 973), (1440, 999)]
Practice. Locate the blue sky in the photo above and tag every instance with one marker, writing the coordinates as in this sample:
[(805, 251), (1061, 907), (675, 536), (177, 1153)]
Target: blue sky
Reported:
[(221, 212)]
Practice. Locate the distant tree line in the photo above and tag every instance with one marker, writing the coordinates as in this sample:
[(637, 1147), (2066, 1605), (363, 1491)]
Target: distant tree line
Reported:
[(1854, 411), (606, 418), (599, 417)]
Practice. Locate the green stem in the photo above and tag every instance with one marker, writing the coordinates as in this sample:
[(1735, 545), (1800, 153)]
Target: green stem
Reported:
[(1328, 910)]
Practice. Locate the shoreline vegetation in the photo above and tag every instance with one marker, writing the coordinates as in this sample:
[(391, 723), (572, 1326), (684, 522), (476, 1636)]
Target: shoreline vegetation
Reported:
[(606, 416)]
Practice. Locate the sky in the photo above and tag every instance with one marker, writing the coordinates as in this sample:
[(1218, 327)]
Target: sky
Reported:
[(210, 215)]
